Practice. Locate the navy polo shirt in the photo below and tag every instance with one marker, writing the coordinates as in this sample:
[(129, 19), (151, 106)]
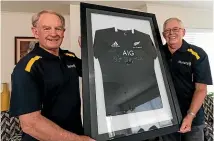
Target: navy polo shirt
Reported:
[(43, 81), (188, 65)]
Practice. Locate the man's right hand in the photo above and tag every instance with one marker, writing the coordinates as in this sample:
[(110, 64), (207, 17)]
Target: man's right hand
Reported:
[(86, 138)]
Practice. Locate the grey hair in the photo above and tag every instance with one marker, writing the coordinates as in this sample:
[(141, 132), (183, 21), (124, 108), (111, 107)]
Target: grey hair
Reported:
[(178, 20), (36, 17)]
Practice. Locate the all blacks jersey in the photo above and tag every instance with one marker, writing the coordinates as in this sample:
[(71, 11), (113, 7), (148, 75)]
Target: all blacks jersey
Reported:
[(127, 64)]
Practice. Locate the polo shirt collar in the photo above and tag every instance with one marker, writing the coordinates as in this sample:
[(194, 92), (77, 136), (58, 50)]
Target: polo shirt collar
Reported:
[(45, 53), (184, 47)]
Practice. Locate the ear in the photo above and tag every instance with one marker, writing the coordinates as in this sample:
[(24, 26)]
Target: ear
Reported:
[(184, 32), (35, 32), (163, 35)]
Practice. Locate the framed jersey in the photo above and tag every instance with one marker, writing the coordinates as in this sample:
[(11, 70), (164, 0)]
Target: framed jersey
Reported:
[(127, 90)]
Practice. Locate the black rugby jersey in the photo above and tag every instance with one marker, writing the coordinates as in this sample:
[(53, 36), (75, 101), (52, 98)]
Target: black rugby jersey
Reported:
[(127, 65)]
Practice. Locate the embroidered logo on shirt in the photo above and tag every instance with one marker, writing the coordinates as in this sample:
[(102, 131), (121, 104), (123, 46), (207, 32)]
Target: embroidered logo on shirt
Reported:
[(184, 63), (71, 66), (115, 44), (136, 45)]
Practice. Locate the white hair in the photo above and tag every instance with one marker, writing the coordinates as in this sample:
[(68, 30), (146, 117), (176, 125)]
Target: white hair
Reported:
[(170, 19), (36, 17)]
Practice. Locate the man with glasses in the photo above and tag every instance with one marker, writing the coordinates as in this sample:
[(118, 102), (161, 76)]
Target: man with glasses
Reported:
[(191, 74), (45, 87)]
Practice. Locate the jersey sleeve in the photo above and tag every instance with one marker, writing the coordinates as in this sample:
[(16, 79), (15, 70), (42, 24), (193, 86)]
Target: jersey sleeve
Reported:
[(150, 48), (202, 72), (98, 44), (25, 93)]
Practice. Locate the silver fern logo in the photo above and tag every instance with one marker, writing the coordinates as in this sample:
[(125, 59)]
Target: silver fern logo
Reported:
[(136, 43)]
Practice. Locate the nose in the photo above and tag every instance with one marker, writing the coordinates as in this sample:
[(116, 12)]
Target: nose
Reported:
[(171, 31), (53, 32)]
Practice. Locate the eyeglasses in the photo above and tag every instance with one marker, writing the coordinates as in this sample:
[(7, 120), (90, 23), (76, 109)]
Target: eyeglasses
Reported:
[(49, 29), (57, 29), (175, 30)]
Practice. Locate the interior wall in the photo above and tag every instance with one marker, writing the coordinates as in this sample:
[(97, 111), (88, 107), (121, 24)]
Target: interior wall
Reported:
[(19, 24), (75, 29), (191, 17)]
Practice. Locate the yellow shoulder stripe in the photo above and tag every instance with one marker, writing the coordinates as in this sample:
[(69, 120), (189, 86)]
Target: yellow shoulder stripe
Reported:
[(31, 62), (194, 53), (70, 54)]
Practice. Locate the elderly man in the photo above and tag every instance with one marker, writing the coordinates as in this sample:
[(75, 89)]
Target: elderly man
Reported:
[(191, 74), (45, 87)]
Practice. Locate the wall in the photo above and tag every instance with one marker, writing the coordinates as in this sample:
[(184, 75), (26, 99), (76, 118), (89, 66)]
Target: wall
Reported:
[(192, 17), (18, 24), (75, 29)]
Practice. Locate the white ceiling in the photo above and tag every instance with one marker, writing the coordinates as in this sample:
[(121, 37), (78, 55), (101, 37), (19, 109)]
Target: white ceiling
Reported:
[(63, 6)]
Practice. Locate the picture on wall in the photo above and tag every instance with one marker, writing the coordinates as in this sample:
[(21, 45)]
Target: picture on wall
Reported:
[(23, 45), (127, 89)]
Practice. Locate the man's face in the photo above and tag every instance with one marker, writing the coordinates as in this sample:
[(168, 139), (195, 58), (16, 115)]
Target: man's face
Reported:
[(173, 33), (49, 31)]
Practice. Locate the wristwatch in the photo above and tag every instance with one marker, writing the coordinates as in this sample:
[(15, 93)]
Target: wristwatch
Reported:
[(191, 113)]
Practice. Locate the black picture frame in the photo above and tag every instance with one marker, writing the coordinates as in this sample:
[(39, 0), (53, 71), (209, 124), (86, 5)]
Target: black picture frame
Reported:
[(23, 45), (90, 109)]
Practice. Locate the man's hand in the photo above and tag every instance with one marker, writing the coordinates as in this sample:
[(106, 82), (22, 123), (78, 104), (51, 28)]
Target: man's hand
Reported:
[(86, 138), (79, 41), (186, 124)]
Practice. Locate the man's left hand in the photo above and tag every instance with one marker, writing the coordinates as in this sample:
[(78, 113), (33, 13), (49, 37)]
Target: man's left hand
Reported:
[(186, 124), (79, 41)]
